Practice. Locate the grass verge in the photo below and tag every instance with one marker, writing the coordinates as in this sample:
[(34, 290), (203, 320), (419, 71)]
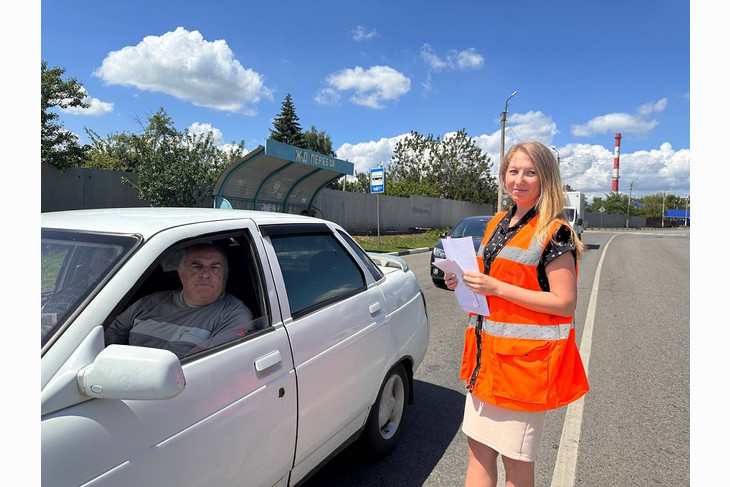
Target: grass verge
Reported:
[(399, 243)]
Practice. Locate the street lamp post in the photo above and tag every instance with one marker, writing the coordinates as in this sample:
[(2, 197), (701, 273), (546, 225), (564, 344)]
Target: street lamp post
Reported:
[(558, 153), (500, 193), (628, 208)]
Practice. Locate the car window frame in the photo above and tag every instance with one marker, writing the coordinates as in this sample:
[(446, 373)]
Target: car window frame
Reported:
[(265, 314), (274, 231)]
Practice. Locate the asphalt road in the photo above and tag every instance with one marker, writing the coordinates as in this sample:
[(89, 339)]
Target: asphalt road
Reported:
[(632, 426)]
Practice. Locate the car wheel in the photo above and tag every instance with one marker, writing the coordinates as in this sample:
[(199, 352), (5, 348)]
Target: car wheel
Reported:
[(387, 414)]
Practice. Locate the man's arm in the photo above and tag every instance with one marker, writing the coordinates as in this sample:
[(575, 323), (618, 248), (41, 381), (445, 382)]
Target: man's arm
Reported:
[(118, 332)]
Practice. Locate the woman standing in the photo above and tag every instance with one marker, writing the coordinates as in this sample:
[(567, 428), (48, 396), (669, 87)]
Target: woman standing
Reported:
[(521, 360)]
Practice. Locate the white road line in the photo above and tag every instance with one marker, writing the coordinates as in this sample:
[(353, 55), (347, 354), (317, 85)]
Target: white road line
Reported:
[(564, 472)]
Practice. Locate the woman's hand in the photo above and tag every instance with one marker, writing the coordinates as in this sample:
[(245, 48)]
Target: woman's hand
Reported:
[(450, 281), (481, 283)]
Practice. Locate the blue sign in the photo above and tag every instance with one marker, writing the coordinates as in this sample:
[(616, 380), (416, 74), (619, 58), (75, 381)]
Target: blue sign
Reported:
[(377, 180), (308, 157)]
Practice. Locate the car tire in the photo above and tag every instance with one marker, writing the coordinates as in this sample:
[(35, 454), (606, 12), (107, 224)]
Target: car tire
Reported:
[(385, 423)]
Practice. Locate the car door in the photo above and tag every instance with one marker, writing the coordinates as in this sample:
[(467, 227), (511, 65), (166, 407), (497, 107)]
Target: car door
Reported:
[(338, 328), (233, 424)]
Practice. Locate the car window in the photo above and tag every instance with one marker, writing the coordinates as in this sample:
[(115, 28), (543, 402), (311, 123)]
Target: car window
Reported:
[(317, 270), (373, 269), (158, 316), (73, 265), (469, 228)]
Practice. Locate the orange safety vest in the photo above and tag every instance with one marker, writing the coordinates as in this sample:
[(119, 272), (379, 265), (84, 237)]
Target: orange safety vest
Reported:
[(516, 358)]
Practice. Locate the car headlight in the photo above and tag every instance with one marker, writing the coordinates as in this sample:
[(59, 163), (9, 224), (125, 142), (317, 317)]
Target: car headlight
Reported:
[(439, 253)]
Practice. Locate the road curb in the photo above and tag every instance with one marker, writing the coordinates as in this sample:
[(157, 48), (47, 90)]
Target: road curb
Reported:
[(412, 251)]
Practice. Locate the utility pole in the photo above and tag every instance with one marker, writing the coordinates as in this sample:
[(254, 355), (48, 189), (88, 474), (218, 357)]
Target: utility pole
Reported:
[(628, 209), (500, 190)]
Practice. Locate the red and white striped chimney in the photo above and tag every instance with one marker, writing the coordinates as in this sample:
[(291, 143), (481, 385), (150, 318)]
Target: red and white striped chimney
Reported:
[(617, 153)]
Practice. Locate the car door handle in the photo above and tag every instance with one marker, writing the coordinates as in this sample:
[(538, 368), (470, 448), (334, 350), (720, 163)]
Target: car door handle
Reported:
[(374, 308), (267, 361)]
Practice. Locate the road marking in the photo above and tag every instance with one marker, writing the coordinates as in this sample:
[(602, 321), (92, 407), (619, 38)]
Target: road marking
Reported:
[(564, 471)]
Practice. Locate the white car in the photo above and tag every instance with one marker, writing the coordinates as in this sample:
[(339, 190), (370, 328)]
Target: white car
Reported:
[(338, 336)]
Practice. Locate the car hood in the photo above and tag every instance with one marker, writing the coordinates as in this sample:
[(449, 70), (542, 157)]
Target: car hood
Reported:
[(476, 240)]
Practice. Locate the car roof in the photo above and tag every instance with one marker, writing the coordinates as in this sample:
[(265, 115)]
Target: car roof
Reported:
[(148, 221), (477, 217)]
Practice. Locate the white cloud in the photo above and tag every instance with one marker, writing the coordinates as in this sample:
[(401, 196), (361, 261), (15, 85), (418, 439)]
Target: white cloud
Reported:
[(96, 106), (638, 124), (585, 167), (367, 155), (203, 129), (327, 96), (184, 65), (372, 87), (433, 61), (462, 60), (361, 34), (467, 59)]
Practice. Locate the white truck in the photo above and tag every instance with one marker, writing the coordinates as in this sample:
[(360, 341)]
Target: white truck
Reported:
[(575, 204)]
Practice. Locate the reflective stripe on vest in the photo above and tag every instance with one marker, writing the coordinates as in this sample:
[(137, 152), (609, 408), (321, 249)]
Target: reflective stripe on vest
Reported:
[(529, 332)]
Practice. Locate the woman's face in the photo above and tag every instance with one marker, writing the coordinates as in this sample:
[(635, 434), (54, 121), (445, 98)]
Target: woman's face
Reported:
[(521, 181)]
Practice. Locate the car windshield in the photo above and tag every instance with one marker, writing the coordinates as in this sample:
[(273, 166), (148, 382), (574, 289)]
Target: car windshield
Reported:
[(469, 228), (73, 264), (570, 213)]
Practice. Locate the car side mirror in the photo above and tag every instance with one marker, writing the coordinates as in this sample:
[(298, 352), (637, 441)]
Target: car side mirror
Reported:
[(580, 221), (129, 372)]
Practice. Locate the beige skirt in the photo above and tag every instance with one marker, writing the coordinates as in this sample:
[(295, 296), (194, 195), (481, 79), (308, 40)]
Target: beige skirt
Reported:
[(514, 434)]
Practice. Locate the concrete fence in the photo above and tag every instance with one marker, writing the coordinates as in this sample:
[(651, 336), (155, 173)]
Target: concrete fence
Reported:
[(358, 213)]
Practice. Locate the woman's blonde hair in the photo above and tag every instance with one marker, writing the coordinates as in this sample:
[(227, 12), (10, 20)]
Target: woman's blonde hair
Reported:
[(551, 203)]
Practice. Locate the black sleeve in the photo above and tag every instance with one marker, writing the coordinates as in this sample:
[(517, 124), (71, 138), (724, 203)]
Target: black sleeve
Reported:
[(562, 243)]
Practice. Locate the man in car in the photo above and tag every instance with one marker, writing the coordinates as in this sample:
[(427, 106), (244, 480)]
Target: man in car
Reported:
[(185, 320)]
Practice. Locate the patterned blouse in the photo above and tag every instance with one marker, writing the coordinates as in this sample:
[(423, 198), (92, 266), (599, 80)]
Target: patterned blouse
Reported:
[(503, 233)]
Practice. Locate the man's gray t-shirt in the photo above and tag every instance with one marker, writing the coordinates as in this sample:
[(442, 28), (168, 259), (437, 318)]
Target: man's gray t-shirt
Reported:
[(163, 320)]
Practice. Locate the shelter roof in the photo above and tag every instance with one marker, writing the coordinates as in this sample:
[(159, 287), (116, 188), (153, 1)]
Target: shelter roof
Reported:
[(277, 177)]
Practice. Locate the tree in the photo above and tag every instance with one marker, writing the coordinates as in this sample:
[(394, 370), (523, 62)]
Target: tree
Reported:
[(59, 147), (452, 168), (615, 203), (173, 168), (286, 125), (318, 142), (360, 185)]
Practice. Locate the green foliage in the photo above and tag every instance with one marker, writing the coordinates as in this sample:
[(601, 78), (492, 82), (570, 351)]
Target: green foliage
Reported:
[(318, 142), (173, 168), (453, 168), (650, 206), (59, 147), (118, 152), (360, 185), (286, 125)]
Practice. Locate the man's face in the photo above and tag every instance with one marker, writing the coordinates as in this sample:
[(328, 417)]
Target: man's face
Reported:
[(203, 274)]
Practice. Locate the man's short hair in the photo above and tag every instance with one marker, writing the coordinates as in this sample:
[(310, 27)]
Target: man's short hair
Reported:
[(202, 247)]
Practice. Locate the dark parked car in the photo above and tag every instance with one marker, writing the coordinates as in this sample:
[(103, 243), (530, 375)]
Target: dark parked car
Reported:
[(471, 226)]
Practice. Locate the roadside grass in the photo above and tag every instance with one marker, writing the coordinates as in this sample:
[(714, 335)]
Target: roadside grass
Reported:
[(398, 243)]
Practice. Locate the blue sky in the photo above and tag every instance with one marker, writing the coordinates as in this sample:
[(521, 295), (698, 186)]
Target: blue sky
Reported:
[(368, 73)]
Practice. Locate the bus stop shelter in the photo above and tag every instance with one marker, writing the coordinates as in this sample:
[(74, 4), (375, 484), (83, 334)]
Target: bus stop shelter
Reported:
[(277, 177)]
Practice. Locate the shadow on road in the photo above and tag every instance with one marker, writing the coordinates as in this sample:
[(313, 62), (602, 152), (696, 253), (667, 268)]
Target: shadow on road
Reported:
[(430, 426)]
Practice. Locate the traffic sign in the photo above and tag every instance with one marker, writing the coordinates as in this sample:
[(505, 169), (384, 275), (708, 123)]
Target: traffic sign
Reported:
[(377, 180)]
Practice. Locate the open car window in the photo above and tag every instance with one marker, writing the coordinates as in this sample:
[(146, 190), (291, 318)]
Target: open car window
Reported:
[(162, 319)]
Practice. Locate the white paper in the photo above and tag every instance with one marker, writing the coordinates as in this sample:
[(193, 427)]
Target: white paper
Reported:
[(460, 257)]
